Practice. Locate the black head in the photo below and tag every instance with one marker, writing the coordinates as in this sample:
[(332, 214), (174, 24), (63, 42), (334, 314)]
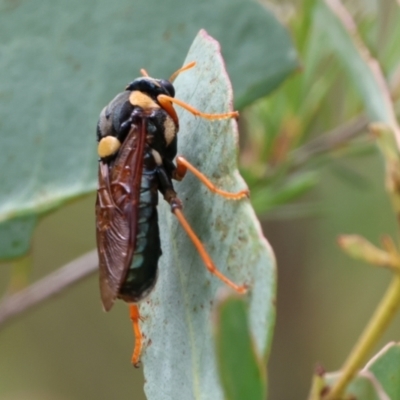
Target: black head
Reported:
[(152, 87)]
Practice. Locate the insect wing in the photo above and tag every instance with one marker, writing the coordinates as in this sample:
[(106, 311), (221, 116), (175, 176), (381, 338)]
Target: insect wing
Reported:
[(112, 230), (117, 203)]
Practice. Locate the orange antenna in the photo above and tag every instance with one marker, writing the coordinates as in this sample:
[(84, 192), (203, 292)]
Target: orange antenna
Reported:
[(184, 68), (144, 72)]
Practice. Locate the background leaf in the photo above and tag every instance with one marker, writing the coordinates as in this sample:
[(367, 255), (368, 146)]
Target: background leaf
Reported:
[(386, 368), (243, 373), (61, 62), (341, 35), (379, 380), (179, 359), (363, 387)]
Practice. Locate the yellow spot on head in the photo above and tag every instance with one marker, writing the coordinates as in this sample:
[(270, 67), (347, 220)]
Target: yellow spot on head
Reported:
[(140, 99), (108, 146)]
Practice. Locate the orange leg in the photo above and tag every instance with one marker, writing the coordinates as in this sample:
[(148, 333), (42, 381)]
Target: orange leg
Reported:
[(183, 165), (202, 251), (135, 317), (165, 102)]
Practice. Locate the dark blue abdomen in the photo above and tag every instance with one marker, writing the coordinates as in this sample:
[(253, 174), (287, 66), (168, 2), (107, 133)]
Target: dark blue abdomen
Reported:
[(142, 273)]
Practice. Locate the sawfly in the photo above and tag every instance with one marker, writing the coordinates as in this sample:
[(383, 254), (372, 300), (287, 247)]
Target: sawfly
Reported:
[(137, 145)]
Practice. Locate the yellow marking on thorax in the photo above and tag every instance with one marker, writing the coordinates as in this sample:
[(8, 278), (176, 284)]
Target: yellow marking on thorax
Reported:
[(108, 146), (169, 130), (156, 156), (140, 99)]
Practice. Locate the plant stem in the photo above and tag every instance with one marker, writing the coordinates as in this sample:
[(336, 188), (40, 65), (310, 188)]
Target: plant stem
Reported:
[(377, 325), (17, 303)]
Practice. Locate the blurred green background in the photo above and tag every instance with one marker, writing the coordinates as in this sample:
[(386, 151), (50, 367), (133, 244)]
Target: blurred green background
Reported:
[(69, 349)]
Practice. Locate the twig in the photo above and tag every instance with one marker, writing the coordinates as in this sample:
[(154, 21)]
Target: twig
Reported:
[(328, 141), (384, 314), (394, 83), (342, 134), (52, 284)]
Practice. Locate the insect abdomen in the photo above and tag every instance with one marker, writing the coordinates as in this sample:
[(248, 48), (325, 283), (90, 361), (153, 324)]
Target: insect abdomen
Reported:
[(142, 273)]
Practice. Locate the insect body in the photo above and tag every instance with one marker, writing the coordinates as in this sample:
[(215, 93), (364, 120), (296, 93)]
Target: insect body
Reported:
[(137, 143)]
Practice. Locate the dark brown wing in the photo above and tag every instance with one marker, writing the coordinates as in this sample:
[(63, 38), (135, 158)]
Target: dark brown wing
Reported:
[(117, 203)]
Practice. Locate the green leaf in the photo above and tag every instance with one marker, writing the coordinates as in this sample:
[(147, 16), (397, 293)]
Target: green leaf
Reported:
[(15, 236), (341, 36), (179, 359), (386, 368), (362, 387), (378, 380), (61, 62), (242, 370), (267, 198)]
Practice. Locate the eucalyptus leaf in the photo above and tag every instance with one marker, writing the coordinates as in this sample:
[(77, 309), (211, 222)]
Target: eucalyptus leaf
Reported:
[(386, 368), (62, 61), (179, 358), (363, 387), (378, 380), (16, 235)]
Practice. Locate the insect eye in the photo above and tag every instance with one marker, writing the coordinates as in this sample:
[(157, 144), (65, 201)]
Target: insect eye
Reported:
[(168, 87)]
